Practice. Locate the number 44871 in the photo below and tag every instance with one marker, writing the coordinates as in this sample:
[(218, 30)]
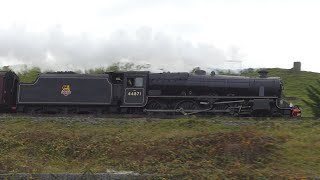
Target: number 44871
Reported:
[(134, 93)]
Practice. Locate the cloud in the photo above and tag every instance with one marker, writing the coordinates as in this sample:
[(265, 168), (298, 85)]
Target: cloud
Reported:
[(56, 50)]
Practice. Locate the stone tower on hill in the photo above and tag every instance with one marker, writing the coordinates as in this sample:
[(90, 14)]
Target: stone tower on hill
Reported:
[(296, 66)]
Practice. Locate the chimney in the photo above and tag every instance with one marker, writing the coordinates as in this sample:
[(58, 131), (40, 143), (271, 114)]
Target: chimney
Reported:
[(263, 74)]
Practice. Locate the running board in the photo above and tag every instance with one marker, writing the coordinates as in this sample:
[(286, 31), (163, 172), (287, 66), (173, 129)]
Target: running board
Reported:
[(217, 97)]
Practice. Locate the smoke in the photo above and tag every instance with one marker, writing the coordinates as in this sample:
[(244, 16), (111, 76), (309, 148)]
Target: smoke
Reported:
[(55, 50)]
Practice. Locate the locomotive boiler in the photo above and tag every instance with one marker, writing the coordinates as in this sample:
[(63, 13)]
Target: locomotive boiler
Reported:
[(186, 84), (234, 95)]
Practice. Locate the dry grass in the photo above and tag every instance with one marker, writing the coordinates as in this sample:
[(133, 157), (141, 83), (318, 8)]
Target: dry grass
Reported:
[(192, 147)]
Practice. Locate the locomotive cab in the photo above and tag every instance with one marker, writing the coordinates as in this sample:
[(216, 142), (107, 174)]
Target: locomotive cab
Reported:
[(129, 88), (8, 91)]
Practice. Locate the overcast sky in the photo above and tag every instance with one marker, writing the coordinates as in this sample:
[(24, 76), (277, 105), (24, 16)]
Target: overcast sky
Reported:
[(175, 35)]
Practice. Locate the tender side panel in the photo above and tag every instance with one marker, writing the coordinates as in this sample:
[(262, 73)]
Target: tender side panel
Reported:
[(66, 90)]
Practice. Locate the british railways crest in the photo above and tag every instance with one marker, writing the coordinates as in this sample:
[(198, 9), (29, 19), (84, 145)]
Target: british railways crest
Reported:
[(66, 90)]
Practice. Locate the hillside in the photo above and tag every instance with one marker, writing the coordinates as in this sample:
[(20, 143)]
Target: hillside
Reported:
[(295, 84), (207, 148)]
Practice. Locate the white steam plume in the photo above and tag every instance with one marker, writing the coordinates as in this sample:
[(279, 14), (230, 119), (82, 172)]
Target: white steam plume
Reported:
[(55, 50)]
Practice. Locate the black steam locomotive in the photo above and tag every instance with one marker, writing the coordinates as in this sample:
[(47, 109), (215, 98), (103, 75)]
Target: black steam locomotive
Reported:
[(145, 92)]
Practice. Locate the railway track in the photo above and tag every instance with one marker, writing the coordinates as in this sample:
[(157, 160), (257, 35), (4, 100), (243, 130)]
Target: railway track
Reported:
[(133, 117)]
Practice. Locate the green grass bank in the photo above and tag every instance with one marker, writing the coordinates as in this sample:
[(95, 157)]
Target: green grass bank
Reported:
[(216, 147)]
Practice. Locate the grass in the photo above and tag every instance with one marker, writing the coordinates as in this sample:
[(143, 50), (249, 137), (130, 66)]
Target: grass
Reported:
[(174, 148)]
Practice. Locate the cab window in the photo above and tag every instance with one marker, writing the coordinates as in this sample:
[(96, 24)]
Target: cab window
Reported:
[(130, 82), (138, 82)]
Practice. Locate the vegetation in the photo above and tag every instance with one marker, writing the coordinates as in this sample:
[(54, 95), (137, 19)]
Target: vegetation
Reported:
[(119, 67), (212, 148), (314, 97), (186, 147), (29, 75)]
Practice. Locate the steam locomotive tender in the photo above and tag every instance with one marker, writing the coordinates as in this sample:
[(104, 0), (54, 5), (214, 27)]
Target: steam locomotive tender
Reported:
[(8, 91), (144, 92)]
